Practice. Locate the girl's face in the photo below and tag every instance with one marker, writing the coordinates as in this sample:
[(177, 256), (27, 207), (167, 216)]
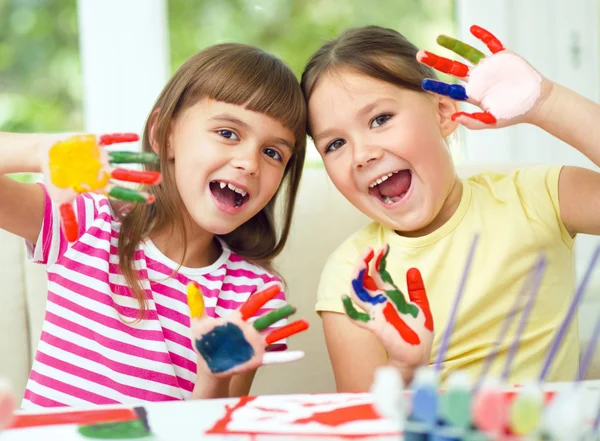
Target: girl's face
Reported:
[(383, 147), (229, 162)]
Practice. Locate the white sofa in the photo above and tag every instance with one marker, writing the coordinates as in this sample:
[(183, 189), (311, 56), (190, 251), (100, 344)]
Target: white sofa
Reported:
[(323, 219)]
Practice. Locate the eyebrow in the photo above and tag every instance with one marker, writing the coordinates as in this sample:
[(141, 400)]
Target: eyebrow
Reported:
[(226, 117), (366, 109)]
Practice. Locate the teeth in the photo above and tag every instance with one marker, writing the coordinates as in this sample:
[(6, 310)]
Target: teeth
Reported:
[(387, 200), (381, 179), (232, 188)]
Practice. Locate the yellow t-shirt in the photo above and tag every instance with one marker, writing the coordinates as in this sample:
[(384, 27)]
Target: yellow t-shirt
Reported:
[(516, 216)]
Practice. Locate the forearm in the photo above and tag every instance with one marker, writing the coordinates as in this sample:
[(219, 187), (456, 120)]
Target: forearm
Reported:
[(19, 153), (573, 119)]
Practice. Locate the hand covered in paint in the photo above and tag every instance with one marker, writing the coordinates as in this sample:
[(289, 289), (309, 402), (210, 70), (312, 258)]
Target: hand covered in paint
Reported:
[(404, 328), (231, 345), (505, 86), (80, 164)]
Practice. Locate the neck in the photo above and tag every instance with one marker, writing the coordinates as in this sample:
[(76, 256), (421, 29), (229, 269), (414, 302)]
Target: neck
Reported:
[(446, 212), (201, 248)]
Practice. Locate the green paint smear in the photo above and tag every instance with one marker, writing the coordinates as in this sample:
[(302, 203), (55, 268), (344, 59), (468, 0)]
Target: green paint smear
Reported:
[(396, 295), (122, 430)]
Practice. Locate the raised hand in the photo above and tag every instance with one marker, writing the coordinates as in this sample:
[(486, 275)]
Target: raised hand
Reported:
[(505, 86), (404, 328), (80, 164), (232, 345)]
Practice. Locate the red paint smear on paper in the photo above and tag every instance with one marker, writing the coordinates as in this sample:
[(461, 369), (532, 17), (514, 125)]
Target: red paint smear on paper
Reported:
[(337, 417)]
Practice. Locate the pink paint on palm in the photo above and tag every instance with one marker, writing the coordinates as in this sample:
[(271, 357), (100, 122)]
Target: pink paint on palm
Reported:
[(505, 85)]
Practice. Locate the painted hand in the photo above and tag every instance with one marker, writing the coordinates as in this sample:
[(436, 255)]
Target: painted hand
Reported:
[(505, 86), (231, 345), (405, 329), (80, 164)]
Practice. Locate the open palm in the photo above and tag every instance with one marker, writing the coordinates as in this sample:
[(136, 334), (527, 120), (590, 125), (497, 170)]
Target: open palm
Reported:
[(404, 328), (505, 86)]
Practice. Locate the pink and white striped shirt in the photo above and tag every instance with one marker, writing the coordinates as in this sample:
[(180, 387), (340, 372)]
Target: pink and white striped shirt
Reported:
[(89, 351)]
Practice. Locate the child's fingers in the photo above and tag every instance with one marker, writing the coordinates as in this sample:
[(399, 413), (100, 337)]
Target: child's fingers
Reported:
[(475, 121), (357, 316), (69, 222), (257, 300), (286, 331), (195, 300), (441, 64), (273, 317), (463, 49), (140, 177), (392, 292), (454, 91), (117, 138), (130, 195), (362, 294), (124, 157), (493, 44), (418, 295), (282, 357)]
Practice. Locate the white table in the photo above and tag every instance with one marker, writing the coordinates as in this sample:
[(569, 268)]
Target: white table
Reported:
[(182, 421)]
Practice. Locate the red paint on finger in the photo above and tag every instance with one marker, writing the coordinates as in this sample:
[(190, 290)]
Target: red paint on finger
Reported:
[(407, 334)]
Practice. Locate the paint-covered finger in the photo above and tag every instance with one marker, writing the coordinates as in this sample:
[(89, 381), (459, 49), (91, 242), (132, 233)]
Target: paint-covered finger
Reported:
[(124, 157), (273, 317), (352, 312), (140, 177), (493, 44), (418, 295), (130, 195), (286, 331), (282, 357), (454, 91), (463, 49), (362, 294), (117, 138), (450, 67), (257, 300), (475, 121), (392, 291), (195, 300), (69, 222)]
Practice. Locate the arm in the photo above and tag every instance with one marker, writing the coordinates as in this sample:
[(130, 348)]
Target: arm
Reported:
[(21, 205), (574, 120), (355, 353)]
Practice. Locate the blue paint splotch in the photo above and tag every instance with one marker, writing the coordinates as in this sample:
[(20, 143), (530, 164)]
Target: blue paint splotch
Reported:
[(224, 348), (363, 294)]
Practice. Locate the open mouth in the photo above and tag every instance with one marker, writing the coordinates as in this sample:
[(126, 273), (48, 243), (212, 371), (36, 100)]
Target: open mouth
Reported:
[(228, 194), (391, 187)]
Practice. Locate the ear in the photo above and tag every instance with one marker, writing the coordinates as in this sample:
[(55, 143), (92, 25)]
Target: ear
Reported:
[(446, 107), (154, 138)]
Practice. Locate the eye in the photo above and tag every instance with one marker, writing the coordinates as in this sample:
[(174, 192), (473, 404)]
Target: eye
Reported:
[(272, 153), (228, 134), (380, 120), (335, 145)]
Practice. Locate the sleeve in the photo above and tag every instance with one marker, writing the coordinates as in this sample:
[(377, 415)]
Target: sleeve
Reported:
[(52, 244), (537, 187), (336, 279)]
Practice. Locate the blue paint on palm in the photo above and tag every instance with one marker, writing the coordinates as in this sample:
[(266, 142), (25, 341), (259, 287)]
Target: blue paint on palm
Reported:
[(454, 91), (224, 348), (363, 294)]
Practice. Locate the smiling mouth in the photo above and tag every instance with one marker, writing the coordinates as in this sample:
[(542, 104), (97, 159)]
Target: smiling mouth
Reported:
[(228, 194), (392, 187)]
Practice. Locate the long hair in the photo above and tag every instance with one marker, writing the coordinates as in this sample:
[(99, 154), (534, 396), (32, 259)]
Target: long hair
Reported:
[(235, 74)]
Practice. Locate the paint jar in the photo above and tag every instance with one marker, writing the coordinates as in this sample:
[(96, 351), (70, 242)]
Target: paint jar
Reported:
[(425, 396), (416, 431)]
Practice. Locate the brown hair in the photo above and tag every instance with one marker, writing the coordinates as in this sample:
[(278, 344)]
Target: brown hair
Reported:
[(235, 74), (377, 52)]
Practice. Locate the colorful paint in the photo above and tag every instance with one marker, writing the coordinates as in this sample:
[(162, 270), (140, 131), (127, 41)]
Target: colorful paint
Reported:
[(80, 164)]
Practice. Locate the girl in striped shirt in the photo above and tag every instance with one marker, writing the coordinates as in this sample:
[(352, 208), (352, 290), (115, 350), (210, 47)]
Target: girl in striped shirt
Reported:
[(228, 129)]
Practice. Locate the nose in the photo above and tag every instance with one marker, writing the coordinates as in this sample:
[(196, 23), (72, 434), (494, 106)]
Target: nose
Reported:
[(247, 160), (365, 153)]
